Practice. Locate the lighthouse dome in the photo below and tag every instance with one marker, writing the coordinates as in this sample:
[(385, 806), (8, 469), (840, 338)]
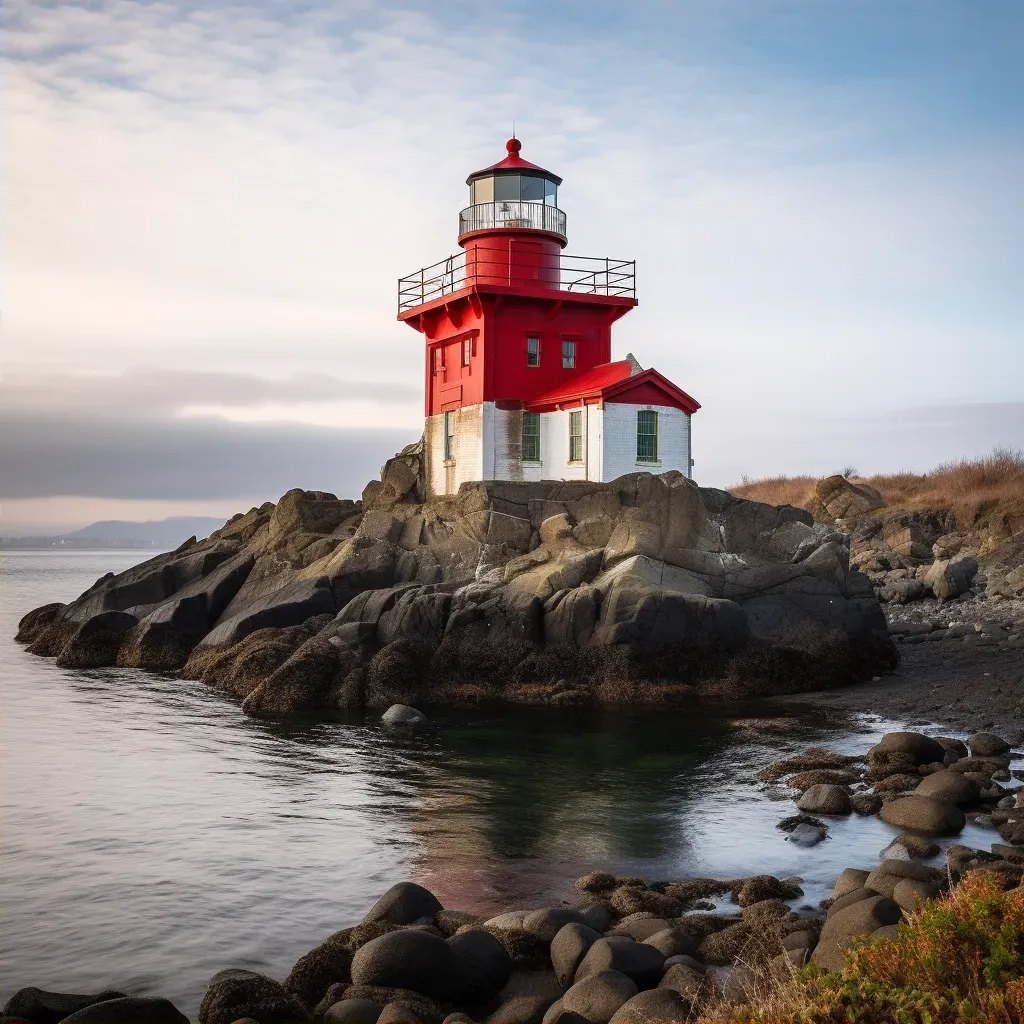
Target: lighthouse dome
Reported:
[(513, 179)]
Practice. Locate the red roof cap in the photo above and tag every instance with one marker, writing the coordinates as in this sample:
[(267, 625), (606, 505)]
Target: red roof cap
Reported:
[(587, 385), (513, 164), (615, 382)]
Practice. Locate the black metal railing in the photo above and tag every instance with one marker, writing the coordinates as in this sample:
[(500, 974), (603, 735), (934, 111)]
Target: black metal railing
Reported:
[(581, 275), (512, 214)]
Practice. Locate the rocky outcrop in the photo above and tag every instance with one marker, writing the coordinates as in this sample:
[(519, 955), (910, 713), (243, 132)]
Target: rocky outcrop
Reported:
[(647, 588)]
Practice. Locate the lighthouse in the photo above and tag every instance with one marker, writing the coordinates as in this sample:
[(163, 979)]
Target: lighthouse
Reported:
[(520, 380)]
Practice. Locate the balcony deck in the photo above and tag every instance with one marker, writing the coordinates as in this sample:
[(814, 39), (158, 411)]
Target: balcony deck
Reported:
[(571, 277)]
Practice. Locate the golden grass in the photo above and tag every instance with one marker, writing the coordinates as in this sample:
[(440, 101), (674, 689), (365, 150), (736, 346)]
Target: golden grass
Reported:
[(971, 488)]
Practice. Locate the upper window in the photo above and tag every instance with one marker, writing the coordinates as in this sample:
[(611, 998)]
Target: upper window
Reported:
[(449, 436), (568, 355), (513, 188), (533, 351), (576, 436), (467, 351), (646, 436), (531, 437)]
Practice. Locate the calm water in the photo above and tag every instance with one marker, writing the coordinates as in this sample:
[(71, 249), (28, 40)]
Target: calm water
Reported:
[(153, 835)]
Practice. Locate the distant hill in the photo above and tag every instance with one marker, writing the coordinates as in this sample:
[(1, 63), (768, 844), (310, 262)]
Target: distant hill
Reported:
[(168, 532)]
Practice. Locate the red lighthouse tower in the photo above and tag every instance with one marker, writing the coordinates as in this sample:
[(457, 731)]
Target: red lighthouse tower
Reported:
[(519, 374)]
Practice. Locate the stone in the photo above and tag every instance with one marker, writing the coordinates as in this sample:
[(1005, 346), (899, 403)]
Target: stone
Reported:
[(949, 578), (654, 1005), (822, 776), (911, 893), (401, 717), (884, 879), (403, 903), (849, 880), (641, 928), (131, 1010), (597, 996), (986, 744), (842, 499), (848, 899), (546, 924), (413, 960), (323, 966), (523, 1009), (952, 787), (924, 814), (766, 887), (921, 749), (636, 960), (353, 1011), (908, 845), (866, 803), (689, 982), (808, 835), (825, 799), (95, 643), (232, 994), (859, 919), (672, 942), (568, 948), (483, 963), (43, 1007)]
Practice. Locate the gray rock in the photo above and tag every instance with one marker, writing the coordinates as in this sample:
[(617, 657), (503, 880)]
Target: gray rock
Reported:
[(807, 835), (849, 899), (484, 964), (403, 903), (986, 744), (402, 717), (866, 803), (546, 924), (234, 994), (641, 928), (840, 930), (825, 799), (596, 997), (952, 787), (689, 982), (849, 880), (672, 942), (656, 1004), (924, 814), (353, 1011), (922, 749), (885, 877), (568, 948), (42, 1007), (636, 960), (413, 960), (129, 1010), (949, 578)]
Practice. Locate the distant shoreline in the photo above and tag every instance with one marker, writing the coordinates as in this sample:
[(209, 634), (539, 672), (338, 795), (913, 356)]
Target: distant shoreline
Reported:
[(64, 544)]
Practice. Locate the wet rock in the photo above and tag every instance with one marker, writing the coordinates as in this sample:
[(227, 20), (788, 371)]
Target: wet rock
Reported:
[(825, 799), (414, 960), (812, 759), (987, 766), (866, 803), (36, 621), (636, 960), (95, 643), (951, 787), (689, 982), (808, 835), (898, 783), (986, 744), (401, 717), (822, 776), (908, 845), (597, 996), (233, 994), (568, 948), (656, 1004), (766, 887), (921, 749), (129, 1010), (924, 814), (403, 903), (40, 1006), (323, 966)]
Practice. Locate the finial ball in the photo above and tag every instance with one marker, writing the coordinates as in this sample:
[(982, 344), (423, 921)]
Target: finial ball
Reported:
[(513, 146)]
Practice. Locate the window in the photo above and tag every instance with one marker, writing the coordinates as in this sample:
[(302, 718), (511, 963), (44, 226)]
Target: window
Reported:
[(533, 351), (550, 193), (531, 437), (531, 188), (646, 436), (576, 436), (506, 188), (449, 437), (481, 191), (435, 361), (467, 351), (568, 355)]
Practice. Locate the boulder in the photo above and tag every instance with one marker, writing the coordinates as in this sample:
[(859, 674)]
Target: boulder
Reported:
[(130, 1010), (919, 748), (672, 942), (546, 924), (654, 1005), (323, 966), (848, 899), (951, 787), (949, 578), (413, 960), (636, 960), (808, 835), (866, 803), (353, 1011), (854, 921), (884, 879), (234, 994), (641, 926), (849, 880), (825, 799), (924, 814), (597, 997), (39, 1006), (568, 948), (687, 981), (986, 744), (842, 499), (911, 893), (95, 643), (36, 621), (908, 846), (403, 903), (402, 718), (483, 963)]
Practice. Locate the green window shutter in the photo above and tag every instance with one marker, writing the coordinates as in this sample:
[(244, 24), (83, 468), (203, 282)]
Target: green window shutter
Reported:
[(646, 436)]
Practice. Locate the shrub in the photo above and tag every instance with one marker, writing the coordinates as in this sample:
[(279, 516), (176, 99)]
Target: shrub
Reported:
[(960, 958)]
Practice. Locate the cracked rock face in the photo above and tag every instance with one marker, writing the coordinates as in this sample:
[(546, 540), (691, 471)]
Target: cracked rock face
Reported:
[(645, 588)]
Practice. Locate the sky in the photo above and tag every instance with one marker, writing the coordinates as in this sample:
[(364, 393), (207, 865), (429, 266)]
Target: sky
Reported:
[(207, 207)]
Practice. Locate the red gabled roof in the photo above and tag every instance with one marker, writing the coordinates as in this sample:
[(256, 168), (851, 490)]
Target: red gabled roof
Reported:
[(615, 382), (512, 163)]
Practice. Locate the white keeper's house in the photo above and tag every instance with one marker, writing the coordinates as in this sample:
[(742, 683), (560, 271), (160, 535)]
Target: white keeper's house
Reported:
[(520, 383)]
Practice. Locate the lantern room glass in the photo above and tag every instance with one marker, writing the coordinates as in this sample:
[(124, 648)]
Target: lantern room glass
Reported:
[(506, 188)]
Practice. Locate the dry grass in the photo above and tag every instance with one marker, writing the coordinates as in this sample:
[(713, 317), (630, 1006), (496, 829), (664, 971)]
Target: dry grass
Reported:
[(971, 488)]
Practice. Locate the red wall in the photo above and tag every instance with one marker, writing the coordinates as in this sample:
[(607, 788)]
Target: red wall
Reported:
[(498, 369)]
